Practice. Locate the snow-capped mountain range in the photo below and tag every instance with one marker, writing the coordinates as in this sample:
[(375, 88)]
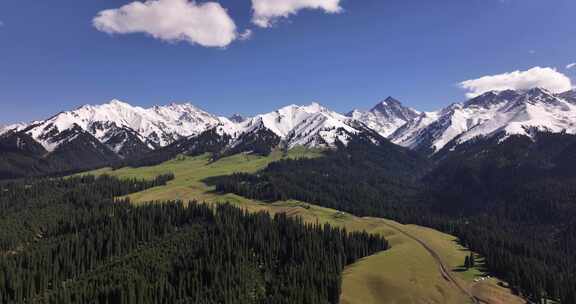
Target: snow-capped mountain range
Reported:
[(127, 129), (496, 113), (117, 125), (156, 127)]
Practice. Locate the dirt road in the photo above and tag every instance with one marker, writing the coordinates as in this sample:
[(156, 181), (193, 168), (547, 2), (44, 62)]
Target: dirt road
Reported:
[(443, 269)]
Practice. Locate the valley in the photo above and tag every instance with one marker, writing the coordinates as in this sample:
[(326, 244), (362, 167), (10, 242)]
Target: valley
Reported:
[(287, 152), (406, 273), (481, 170)]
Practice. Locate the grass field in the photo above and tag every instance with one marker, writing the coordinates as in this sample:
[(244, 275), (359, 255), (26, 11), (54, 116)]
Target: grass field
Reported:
[(406, 273), (421, 275)]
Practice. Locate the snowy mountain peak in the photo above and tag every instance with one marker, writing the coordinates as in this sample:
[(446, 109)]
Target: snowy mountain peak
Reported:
[(391, 108), (386, 116), (312, 126), (285, 119), (388, 102), (315, 107), (184, 107), (118, 102)]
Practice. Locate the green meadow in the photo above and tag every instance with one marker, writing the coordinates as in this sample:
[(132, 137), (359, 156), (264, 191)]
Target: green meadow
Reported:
[(406, 273)]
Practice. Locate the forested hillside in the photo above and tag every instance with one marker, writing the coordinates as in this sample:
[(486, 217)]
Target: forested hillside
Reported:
[(21, 156), (70, 241), (512, 202), (366, 179)]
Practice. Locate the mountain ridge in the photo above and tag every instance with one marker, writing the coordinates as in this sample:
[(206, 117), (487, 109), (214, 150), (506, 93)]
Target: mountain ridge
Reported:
[(123, 131), (496, 113)]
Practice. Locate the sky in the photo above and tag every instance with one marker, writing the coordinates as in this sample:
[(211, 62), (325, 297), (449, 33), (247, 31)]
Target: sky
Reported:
[(253, 56)]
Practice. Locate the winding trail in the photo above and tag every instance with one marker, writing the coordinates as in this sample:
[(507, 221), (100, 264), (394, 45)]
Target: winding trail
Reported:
[(446, 274)]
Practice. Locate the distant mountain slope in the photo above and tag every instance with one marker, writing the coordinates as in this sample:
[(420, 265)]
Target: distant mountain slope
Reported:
[(210, 141), (22, 156), (414, 132), (487, 171)]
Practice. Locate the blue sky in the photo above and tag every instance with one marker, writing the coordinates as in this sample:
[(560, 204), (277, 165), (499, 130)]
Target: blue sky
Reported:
[(53, 58)]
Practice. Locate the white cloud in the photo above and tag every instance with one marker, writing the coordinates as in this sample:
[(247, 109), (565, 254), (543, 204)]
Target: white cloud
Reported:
[(267, 11), (207, 24), (571, 66), (547, 78), (246, 35)]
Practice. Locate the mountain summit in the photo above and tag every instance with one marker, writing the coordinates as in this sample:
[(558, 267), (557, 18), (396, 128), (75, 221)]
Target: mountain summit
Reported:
[(386, 117)]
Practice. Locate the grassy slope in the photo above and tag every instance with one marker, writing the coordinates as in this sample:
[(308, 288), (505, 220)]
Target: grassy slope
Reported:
[(404, 274), (423, 276)]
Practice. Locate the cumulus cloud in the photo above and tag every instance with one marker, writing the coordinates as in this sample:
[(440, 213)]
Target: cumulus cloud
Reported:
[(571, 66), (265, 12), (207, 24), (547, 78)]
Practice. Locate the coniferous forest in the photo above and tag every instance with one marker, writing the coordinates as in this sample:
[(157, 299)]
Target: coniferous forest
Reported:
[(70, 241), (513, 204)]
